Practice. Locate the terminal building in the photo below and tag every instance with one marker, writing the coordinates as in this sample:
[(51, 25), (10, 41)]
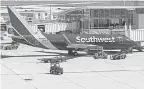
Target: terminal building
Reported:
[(100, 16)]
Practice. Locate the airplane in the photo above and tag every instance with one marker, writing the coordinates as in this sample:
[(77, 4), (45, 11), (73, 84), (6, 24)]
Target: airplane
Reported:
[(71, 42)]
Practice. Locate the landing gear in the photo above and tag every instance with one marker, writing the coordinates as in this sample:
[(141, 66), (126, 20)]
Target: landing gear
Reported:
[(129, 50), (73, 53), (70, 52), (123, 50)]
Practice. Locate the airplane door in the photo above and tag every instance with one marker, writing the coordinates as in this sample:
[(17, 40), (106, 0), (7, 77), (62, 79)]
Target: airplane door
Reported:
[(120, 40)]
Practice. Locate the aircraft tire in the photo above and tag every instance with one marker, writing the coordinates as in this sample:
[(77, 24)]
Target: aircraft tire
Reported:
[(45, 61), (75, 54), (5, 48), (61, 71)]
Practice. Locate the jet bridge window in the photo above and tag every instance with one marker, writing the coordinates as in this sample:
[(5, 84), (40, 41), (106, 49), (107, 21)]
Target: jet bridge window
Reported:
[(41, 28)]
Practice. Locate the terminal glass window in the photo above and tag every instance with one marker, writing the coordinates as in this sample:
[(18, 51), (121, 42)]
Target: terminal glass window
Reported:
[(101, 18), (104, 18), (3, 27)]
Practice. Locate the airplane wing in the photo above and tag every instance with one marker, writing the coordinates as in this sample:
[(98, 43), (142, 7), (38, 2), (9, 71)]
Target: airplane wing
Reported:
[(84, 46)]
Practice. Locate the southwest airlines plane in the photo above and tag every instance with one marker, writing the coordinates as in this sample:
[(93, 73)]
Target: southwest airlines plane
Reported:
[(71, 42)]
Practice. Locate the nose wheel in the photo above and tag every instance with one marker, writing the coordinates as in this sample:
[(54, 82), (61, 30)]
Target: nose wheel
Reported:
[(72, 53)]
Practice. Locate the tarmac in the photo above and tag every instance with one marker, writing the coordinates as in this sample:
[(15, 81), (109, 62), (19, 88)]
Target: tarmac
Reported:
[(20, 69)]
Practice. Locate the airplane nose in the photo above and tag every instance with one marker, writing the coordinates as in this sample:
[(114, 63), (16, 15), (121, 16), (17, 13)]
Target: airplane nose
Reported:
[(137, 46), (136, 43)]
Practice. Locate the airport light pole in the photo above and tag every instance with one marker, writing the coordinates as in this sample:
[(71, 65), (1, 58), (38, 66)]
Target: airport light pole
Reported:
[(82, 17), (50, 12)]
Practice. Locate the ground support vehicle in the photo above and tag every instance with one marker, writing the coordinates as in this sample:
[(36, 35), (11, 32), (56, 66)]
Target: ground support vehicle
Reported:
[(55, 68), (11, 46), (56, 59), (118, 56), (100, 55)]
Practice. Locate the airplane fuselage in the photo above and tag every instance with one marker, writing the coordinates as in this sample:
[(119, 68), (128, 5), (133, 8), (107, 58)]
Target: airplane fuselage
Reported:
[(61, 41)]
